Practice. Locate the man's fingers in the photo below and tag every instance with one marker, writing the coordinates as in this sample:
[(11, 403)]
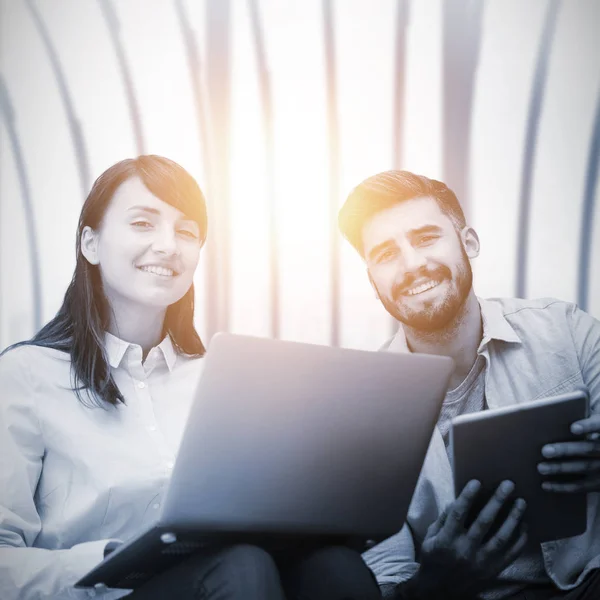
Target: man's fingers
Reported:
[(502, 538), (585, 484), (578, 467), (589, 425), (584, 448), (514, 551), (457, 511), (490, 511), (437, 525)]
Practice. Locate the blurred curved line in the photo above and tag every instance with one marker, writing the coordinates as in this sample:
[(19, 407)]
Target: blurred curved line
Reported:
[(587, 217), (533, 119), (8, 115), (461, 46), (195, 69), (114, 28), (334, 163), (266, 95), (218, 92), (74, 123), (402, 20)]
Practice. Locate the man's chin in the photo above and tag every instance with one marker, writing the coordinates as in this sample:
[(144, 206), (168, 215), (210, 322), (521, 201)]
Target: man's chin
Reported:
[(429, 326), (429, 320)]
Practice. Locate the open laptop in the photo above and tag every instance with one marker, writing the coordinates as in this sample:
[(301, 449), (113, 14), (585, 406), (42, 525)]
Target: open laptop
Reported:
[(287, 442)]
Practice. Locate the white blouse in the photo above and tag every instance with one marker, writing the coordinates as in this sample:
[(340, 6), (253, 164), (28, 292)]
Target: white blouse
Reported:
[(73, 477)]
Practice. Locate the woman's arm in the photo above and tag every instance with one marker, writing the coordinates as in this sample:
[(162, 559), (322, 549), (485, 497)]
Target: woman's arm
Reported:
[(26, 572)]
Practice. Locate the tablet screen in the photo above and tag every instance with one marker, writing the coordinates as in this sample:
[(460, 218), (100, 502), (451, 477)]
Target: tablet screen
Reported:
[(499, 444)]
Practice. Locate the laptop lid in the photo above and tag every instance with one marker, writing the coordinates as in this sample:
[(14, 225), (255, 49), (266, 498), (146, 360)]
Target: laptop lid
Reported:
[(293, 438)]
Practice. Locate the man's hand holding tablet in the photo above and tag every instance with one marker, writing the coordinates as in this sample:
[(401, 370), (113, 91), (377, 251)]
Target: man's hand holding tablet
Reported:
[(459, 561), (579, 459), (511, 443)]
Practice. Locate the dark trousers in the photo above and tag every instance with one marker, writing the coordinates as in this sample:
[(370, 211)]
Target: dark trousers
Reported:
[(247, 572), (588, 590)]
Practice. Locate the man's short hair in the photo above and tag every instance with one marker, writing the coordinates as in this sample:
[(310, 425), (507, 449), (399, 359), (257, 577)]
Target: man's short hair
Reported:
[(384, 190)]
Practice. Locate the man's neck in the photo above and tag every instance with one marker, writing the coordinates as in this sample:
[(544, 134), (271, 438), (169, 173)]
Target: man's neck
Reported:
[(459, 340)]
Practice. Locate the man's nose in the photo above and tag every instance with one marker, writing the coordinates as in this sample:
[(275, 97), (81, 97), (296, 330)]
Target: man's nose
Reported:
[(412, 259)]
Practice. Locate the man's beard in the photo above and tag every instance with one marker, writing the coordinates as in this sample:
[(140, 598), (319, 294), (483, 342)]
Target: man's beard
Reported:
[(437, 316)]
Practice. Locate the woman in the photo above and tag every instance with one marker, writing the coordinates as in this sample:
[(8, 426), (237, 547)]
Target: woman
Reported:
[(92, 410)]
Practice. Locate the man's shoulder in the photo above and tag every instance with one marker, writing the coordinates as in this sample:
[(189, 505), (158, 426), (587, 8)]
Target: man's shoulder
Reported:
[(537, 322), (515, 308)]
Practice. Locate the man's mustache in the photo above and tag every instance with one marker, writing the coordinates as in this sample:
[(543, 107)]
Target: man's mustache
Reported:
[(437, 274)]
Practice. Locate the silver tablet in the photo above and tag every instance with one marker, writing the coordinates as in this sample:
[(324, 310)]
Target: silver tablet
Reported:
[(506, 443)]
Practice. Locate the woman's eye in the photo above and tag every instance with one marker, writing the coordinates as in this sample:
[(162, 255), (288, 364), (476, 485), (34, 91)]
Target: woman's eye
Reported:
[(187, 233), (141, 224)]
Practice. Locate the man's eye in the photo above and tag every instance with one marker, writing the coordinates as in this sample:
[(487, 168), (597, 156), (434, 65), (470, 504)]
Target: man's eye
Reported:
[(385, 256), (427, 239)]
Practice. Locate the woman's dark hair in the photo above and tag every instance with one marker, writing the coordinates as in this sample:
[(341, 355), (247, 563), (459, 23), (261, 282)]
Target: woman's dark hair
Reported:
[(384, 190), (79, 325)]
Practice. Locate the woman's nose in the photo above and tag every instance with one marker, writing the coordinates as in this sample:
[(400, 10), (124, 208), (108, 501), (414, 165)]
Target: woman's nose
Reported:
[(165, 241)]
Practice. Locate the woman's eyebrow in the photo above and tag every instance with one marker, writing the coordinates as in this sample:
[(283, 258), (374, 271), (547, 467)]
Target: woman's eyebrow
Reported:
[(143, 208)]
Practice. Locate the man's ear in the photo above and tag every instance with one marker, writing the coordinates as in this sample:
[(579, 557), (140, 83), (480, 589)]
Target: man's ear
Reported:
[(470, 241), (89, 245)]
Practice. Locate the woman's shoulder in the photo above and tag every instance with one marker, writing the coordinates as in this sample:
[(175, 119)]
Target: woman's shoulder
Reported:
[(32, 361), (189, 365), (29, 351)]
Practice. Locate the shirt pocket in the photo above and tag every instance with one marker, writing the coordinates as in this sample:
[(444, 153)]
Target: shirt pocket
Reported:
[(570, 384), (133, 505)]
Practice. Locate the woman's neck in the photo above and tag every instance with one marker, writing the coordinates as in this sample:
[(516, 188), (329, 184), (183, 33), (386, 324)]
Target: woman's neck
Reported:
[(139, 325)]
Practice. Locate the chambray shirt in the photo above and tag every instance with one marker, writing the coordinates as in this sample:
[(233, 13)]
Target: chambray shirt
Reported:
[(72, 477), (532, 349)]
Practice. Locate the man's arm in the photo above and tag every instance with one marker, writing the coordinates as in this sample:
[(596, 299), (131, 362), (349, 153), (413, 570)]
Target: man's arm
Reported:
[(585, 330), (392, 561), (581, 458)]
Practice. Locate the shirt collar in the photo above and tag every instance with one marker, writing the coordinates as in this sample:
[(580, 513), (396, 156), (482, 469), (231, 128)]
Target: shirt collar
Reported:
[(168, 351), (495, 327), (116, 349)]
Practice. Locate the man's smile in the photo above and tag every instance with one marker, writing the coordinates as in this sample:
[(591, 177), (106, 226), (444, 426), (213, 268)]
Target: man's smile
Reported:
[(421, 287)]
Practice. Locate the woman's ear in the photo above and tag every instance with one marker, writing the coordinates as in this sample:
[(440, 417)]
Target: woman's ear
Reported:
[(89, 245), (470, 241)]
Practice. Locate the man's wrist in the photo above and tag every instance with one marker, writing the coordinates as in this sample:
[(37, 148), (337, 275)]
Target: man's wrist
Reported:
[(388, 591), (411, 589), (420, 587), (417, 588)]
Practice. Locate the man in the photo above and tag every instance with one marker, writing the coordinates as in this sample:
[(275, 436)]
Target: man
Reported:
[(412, 235)]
